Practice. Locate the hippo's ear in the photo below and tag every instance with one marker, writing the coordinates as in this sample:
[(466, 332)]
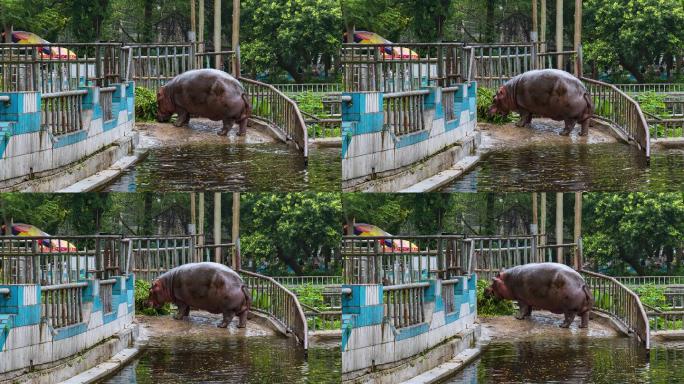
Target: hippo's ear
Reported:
[(501, 91), (156, 286)]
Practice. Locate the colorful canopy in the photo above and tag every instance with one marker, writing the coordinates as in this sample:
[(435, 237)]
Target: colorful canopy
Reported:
[(23, 37), (366, 37), (46, 245), (389, 245)]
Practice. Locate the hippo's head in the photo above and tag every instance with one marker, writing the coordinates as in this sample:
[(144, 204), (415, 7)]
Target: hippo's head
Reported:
[(498, 289), (165, 107), (158, 294), (500, 103)]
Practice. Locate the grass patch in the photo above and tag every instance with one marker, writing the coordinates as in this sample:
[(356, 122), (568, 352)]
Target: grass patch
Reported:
[(142, 290)]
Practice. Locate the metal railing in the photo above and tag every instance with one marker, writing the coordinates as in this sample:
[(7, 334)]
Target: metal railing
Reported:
[(294, 89), (619, 302), (651, 87), (495, 64), (660, 320), (153, 65), (290, 281), (106, 289), (208, 60), (403, 111), (271, 105), (663, 128), (218, 253), (106, 102), (273, 299), (621, 111), (402, 67), (403, 304), (654, 280), (393, 260), (62, 112), (674, 297), (59, 67), (50, 260), (321, 320), (62, 304), (152, 256)]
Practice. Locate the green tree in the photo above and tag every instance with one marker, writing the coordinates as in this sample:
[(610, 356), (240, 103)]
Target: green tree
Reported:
[(633, 34)]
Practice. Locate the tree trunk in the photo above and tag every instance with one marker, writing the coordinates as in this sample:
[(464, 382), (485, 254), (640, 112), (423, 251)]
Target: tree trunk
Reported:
[(147, 26), (489, 26), (633, 68), (289, 261), (292, 70)]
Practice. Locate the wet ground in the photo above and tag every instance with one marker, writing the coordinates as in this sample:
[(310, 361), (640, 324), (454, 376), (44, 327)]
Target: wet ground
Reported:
[(538, 351), (195, 158), (196, 351), (538, 158)]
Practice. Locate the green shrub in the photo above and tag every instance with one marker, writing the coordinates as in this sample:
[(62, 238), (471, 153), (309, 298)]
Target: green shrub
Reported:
[(491, 306), (142, 290), (311, 103), (145, 104), (311, 295), (652, 296), (484, 101), (652, 103)]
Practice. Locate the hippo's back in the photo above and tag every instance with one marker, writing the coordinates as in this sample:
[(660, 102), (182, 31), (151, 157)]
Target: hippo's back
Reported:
[(206, 269), (206, 75)]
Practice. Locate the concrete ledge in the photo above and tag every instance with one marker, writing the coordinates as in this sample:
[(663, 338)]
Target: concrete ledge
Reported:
[(103, 177), (103, 370), (408, 176), (414, 366), (668, 335), (445, 177), (445, 370), (54, 180), (327, 141)]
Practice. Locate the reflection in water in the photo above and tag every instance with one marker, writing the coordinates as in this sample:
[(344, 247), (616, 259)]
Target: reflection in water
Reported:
[(218, 167), (580, 360), (573, 167), (195, 359)]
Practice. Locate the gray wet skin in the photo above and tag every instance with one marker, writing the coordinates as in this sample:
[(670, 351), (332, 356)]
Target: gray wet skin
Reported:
[(550, 93), (550, 286), (212, 287), (208, 93)]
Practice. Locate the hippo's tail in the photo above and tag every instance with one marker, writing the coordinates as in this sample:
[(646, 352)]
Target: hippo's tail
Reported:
[(590, 103), (590, 298), (248, 296), (248, 105)]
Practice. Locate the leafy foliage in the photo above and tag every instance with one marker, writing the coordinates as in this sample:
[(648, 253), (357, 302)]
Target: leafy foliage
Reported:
[(142, 289), (484, 101), (145, 104), (653, 296), (652, 103), (491, 306)]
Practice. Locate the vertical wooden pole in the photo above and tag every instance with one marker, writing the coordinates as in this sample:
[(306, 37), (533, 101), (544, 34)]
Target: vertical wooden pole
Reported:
[(578, 229), (236, 38), (217, 226), (542, 223), (200, 225), (535, 23), (559, 32), (542, 26), (217, 33), (200, 22), (193, 25), (193, 211), (235, 234), (578, 37), (559, 226), (535, 216)]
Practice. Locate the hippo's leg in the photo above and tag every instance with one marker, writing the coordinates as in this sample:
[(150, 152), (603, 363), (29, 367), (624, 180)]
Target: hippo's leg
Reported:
[(524, 310), (227, 125), (243, 319), (585, 320), (569, 317), (243, 127), (585, 128), (525, 119), (183, 310), (183, 118), (227, 318), (569, 126)]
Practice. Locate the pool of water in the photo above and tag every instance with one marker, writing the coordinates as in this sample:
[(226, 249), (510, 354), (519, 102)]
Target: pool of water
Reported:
[(207, 359), (238, 167), (575, 360), (574, 167)]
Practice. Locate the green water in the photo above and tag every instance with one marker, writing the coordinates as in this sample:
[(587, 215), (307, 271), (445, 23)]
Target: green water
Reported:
[(574, 167), (575, 360), (218, 167), (256, 359)]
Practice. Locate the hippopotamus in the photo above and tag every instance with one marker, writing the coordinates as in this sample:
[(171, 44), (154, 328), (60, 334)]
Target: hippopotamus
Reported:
[(548, 93), (211, 287), (551, 286), (208, 93)]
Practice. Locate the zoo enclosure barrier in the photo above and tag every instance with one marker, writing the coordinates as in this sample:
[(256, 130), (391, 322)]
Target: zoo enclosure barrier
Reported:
[(403, 111), (616, 108), (619, 302), (403, 304), (272, 299), (394, 260), (52, 260), (273, 106)]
